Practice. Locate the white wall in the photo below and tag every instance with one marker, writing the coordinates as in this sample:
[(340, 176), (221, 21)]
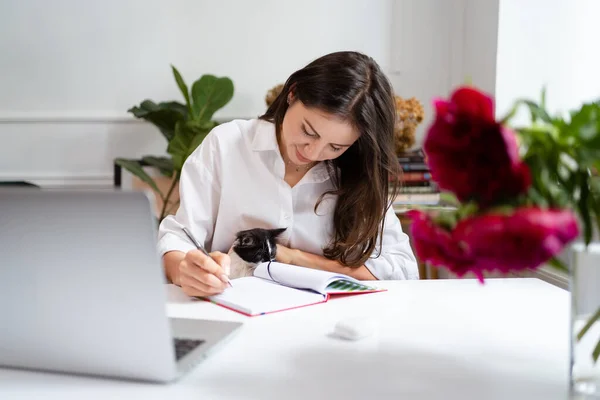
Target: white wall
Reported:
[(480, 44), (552, 43), (440, 44), (69, 69), (98, 58)]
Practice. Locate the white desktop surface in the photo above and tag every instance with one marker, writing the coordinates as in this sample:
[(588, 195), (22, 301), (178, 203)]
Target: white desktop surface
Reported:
[(437, 339)]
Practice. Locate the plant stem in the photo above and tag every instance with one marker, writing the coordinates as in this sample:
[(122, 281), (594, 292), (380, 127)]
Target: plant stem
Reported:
[(596, 352), (589, 324), (168, 196), (174, 207)]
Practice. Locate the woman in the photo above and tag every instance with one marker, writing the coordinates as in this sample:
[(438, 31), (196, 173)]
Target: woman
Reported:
[(318, 163)]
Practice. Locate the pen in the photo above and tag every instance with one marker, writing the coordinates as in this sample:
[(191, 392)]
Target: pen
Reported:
[(202, 249)]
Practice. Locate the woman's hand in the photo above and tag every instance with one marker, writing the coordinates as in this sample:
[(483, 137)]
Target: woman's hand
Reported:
[(201, 276), (285, 254)]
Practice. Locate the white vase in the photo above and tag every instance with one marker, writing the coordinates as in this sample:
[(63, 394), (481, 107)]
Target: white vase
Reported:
[(585, 303)]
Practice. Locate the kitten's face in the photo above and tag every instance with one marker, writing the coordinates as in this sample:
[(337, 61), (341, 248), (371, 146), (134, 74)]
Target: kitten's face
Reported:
[(257, 245)]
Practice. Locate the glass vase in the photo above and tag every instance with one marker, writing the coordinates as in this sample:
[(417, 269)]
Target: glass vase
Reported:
[(585, 321)]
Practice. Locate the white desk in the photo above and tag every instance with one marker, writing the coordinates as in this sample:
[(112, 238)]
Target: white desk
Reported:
[(444, 339)]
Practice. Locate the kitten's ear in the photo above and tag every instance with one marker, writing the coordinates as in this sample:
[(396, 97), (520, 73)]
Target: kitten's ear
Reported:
[(276, 232)]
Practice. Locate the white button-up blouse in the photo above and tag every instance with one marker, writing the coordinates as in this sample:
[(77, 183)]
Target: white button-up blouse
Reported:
[(235, 181)]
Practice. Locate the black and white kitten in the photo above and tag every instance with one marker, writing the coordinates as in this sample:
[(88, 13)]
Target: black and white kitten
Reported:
[(252, 247)]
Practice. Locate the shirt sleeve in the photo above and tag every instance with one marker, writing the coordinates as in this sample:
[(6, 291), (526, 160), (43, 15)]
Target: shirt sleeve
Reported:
[(199, 196), (396, 260)]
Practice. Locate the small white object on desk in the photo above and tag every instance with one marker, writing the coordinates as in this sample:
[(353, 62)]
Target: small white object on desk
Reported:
[(355, 328)]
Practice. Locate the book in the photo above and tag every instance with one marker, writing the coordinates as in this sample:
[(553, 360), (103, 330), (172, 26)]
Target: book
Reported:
[(277, 287), (418, 176), (417, 198), (415, 183), (432, 188), (410, 156), (401, 209), (420, 167)]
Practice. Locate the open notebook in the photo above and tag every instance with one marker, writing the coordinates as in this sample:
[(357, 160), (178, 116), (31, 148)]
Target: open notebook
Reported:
[(278, 287)]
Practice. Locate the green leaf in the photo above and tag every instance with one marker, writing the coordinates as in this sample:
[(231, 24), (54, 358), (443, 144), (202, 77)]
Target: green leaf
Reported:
[(201, 126), (179, 144), (594, 204), (467, 210), (511, 113), (136, 169), (182, 87), (584, 211), (163, 115), (187, 137), (541, 135), (537, 198), (595, 185), (595, 167), (588, 157), (537, 112), (209, 94), (163, 164), (585, 123), (505, 209), (446, 219), (558, 264), (196, 141), (449, 199), (543, 98)]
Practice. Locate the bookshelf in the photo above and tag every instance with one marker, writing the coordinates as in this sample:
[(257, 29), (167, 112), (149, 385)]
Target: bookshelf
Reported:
[(415, 181), (417, 191)]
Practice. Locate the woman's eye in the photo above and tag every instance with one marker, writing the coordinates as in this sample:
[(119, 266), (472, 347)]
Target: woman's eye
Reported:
[(306, 132), (335, 148)]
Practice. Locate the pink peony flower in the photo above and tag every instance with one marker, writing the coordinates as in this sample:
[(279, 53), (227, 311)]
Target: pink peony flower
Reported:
[(494, 242), (472, 155), (435, 245), (523, 240)]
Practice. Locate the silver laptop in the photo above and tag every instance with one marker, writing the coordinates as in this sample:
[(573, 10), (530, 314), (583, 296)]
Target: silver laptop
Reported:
[(82, 289)]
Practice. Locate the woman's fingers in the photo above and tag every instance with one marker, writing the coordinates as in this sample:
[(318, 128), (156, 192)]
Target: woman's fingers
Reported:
[(191, 269), (193, 287), (223, 260), (216, 265), (196, 282)]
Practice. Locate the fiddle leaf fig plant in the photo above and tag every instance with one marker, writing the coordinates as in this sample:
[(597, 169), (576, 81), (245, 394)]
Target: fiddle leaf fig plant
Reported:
[(183, 125)]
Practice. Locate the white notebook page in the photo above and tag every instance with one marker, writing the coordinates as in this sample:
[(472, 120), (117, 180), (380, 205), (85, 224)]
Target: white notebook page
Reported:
[(251, 295), (300, 277)]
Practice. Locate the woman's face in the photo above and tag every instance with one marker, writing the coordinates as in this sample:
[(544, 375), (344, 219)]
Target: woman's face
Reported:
[(309, 135)]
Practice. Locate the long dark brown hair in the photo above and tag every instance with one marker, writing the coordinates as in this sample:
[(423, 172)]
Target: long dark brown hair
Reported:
[(351, 86)]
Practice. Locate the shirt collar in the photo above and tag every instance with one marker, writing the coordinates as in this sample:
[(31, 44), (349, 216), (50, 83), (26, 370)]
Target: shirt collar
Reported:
[(264, 136), (319, 173)]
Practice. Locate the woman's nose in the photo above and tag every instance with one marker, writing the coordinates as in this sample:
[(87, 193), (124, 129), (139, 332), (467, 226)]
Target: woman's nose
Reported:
[(312, 151)]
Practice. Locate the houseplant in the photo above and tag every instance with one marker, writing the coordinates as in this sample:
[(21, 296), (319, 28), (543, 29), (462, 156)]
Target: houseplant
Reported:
[(184, 126), (522, 195)]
